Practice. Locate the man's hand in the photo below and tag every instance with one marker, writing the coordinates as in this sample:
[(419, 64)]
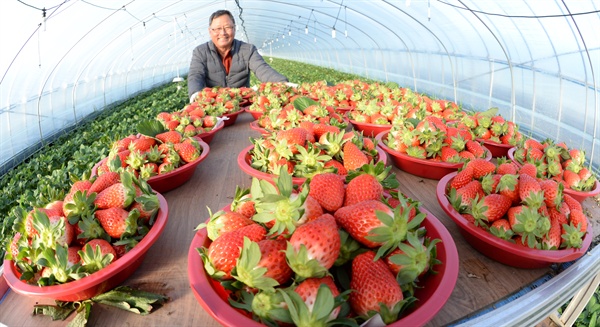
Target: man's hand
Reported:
[(194, 96)]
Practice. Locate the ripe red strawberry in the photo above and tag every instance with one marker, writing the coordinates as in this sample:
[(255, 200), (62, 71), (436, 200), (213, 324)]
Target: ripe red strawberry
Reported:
[(507, 168), (354, 158), (105, 249), (103, 181), (476, 149), (411, 259), (533, 144), (490, 183), (528, 169), (552, 192), (120, 194), (481, 167), (491, 208), (578, 220), (142, 144), (308, 291), (374, 286), (317, 240), (320, 129), (473, 190), (450, 155), (187, 151), (29, 227), (341, 170), (509, 187), (368, 144), (14, 246), (374, 224), (117, 221), (462, 178), (553, 239), (242, 202), (294, 137), (83, 185), (530, 191), (312, 210), (328, 190), (501, 228), (223, 252), (171, 125), (146, 204), (361, 188), (262, 264), (572, 179), (535, 155), (170, 137), (222, 222), (466, 155), (209, 121), (571, 202)]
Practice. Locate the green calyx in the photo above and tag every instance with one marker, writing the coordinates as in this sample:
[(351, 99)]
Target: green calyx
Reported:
[(414, 259), (93, 260), (278, 203), (380, 171), (395, 229), (249, 272), (320, 315), (302, 265), (83, 204), (531, 226)]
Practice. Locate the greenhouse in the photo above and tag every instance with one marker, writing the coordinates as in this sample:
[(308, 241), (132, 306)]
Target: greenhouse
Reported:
[(313, 163)]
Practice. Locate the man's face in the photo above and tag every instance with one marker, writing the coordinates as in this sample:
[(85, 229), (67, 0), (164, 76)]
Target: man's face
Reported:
[(222, 31)]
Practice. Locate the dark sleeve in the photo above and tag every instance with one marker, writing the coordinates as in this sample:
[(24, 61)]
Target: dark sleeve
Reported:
[(197, 74), (262, 70)]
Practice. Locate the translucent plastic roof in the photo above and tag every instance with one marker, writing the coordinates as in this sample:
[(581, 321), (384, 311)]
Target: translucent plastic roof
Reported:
[(538, 61)]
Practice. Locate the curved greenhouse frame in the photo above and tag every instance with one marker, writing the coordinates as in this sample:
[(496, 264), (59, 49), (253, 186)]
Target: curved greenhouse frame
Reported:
[(65, 62)]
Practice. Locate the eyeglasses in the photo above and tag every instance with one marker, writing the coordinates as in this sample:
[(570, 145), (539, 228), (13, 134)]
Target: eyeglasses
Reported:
[(227, 29)]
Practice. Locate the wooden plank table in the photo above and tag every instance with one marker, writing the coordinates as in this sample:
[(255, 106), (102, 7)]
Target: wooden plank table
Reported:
[(481, 281)]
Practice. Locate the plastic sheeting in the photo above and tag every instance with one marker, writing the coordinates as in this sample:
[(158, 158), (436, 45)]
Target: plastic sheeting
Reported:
[(538, 61)]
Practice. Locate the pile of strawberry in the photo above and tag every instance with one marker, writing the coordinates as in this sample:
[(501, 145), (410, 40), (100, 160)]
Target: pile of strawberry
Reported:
[(557, 161), (299, 110), (146, 156), (342, 95), (270, 96), (434, 140), (338, 250), (512, 203), (192, 120), (393, 106), (219, 101), (312, 149), (96, 223), (490, 126)]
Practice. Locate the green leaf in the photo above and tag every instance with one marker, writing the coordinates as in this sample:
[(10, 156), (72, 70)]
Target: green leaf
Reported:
[(83, 313), (132, 300), (302, 103), (53, 311), (151, 127)]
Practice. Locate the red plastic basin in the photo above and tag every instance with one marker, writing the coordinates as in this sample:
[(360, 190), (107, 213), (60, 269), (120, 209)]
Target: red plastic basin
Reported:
[(244, 162), (435, 291), (370, 130), (501, 250), (420, 167), (100, 281), (175, 178)]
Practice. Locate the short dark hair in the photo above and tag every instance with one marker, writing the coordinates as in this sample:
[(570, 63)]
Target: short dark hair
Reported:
[(220, 13)]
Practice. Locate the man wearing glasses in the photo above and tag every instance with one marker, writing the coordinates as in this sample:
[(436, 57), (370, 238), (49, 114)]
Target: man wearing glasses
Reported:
[(225, 61)]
